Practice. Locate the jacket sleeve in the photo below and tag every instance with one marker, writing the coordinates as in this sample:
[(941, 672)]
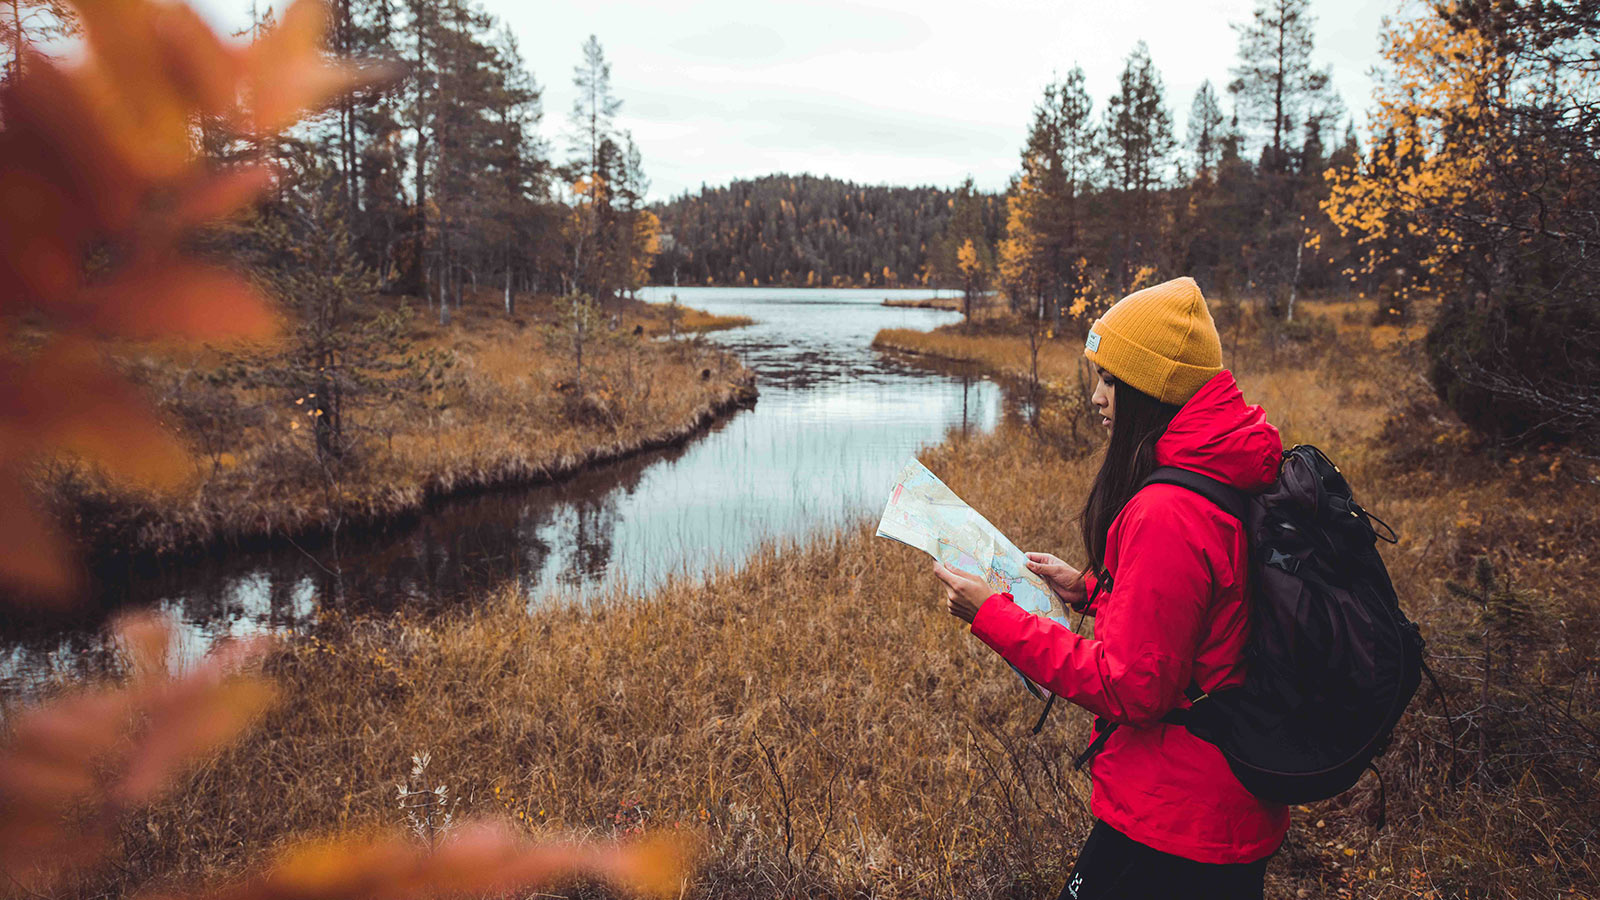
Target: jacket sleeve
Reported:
[(1135, 669)]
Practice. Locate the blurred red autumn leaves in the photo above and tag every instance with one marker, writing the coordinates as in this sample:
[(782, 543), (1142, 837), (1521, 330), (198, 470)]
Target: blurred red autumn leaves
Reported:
[(98, 163), (69, 768), (100, 184)]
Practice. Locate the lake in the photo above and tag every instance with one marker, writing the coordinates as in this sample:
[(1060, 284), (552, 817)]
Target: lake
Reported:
[(834, 422)]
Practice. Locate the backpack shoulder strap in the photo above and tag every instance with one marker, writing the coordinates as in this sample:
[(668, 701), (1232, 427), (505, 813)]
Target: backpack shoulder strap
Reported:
[(1226, 497)]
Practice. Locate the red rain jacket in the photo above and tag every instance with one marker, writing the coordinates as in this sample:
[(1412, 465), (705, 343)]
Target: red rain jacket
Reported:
[(1177, 612)]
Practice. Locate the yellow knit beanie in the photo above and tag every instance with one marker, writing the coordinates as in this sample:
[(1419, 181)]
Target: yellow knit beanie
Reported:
[(1161, 340)]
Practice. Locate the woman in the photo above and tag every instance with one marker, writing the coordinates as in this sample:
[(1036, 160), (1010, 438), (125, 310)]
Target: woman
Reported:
[(1166, 582)]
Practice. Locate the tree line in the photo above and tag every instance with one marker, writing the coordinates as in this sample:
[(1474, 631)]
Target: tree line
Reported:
[(1108, 197), (1101, 195), (448, 184), (1477, 186), (804, 230)]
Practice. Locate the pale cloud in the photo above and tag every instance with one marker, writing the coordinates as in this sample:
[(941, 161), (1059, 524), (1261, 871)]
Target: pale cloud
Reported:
[(733, 40), (900, 92)]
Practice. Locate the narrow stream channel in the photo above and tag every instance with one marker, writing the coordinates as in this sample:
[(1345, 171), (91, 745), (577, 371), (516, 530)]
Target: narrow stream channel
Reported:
[(834, 422)]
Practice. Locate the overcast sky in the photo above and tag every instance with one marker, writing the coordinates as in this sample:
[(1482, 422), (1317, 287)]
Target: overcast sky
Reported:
[(914, 92)]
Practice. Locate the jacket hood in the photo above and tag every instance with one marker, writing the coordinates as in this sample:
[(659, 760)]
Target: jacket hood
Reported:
[(1217, 434)]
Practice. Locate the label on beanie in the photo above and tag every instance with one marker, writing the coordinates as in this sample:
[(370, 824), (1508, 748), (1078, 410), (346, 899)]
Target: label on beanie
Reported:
[(1093, 343)]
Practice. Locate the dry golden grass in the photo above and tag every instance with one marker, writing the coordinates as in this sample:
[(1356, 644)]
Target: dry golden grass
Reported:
[(834, 733), (1005, 354), (695, 320), (946, 303), (997, 340), (815, 713), (504, 413)]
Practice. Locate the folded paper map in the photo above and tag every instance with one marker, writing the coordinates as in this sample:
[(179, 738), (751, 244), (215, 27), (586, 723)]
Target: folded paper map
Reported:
[(927, 515)]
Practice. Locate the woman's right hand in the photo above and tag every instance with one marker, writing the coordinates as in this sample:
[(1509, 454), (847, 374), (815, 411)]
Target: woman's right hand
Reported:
[(1066, 581)]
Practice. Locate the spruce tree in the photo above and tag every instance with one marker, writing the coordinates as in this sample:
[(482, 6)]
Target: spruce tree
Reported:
[(1205, 131), (595, 158), (1137, 150), (30, 26), (1275, 85), (516, 161)]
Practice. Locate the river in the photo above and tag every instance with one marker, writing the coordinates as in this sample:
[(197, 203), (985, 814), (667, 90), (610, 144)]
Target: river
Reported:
[(834, 422)]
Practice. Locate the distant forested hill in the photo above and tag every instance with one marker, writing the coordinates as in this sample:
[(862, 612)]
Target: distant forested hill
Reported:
[(806, 230)]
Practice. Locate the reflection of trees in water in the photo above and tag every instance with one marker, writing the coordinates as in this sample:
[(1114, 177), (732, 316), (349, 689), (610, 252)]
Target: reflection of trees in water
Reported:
[(455, 552), (547, 537), (594, 525), (281, 612)]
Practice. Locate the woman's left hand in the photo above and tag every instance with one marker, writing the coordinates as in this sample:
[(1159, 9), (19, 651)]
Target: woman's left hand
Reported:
[(963, 593)]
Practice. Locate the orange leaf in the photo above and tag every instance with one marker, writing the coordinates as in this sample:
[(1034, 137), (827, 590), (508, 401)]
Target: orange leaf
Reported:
[(100, 750), (217, 196), (199, 66), (288, 74), (478, 859), (33, 556), (40, 232), (58, 124), (187, 721), (188, 715), (46, 773), (66, 399), (177, 298), (146, 640), (138, 85)]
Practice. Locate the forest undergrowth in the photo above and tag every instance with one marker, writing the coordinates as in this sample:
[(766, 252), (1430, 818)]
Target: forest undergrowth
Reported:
[(831, 731)]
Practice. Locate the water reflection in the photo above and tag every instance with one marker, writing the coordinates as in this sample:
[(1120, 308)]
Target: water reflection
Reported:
[(834, 422)]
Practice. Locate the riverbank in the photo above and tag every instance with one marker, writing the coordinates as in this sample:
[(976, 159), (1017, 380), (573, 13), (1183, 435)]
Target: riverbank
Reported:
[(998, 341), (657, 319), (487, 401), (949, 304), (832, 732)]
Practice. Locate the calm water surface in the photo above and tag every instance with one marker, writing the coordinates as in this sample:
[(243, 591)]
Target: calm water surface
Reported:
[(834, 422)]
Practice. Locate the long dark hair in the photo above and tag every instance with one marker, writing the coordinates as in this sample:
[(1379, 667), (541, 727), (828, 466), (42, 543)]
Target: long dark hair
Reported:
[(1138, 421)]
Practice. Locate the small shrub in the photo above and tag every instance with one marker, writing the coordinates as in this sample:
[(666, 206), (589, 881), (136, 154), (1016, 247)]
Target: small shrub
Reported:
[(1521, 367)]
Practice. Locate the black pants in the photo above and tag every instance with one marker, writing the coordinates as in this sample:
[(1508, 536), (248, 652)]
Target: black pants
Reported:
[(1113, 865)]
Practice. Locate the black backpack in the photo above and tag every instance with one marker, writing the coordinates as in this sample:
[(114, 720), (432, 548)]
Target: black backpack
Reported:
[(1331, 662)]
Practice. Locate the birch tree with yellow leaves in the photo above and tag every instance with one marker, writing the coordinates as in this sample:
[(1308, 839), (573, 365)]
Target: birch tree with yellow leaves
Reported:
[(1480, 188)]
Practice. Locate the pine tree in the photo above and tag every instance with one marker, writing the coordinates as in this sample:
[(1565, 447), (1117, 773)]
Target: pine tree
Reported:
[(1277, 88), (1040, 255), (516, 162), (595, 158), (1137, 144), (378, 194), (1282, 96), (1205, 131), (421, 35), (29, 26)]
